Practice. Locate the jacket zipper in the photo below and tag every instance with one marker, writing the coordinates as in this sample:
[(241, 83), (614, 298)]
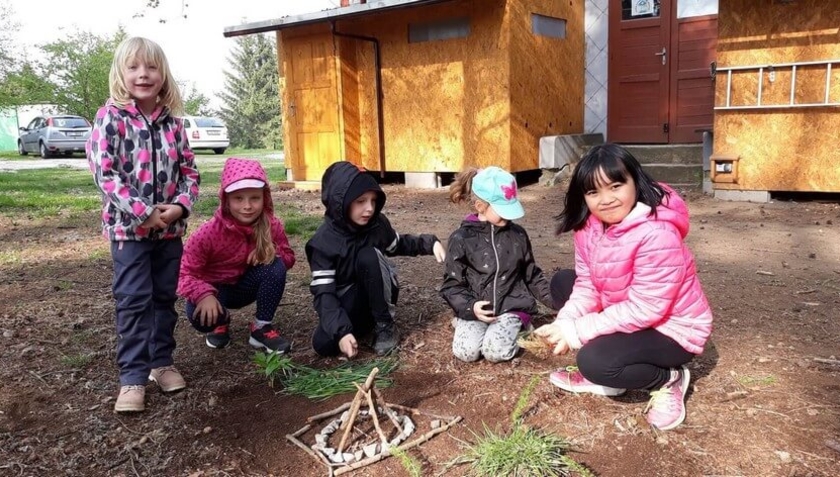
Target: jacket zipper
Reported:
[(152, 134), (496, 254)]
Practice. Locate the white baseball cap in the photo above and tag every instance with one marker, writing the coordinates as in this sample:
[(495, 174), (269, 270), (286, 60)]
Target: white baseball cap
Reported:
[(245, 184)]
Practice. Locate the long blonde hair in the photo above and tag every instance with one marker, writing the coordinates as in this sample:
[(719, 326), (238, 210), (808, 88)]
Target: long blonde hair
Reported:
[(461, 188), (150, 53), (265, 250)]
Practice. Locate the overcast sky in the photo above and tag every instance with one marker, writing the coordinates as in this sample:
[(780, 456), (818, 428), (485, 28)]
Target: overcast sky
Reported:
[(195, 47)]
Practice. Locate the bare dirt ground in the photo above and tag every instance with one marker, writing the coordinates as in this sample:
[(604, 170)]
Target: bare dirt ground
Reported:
[(765, 397)]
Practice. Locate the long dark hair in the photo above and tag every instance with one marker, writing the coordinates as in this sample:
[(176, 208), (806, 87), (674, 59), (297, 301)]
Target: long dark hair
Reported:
[(617, 164)]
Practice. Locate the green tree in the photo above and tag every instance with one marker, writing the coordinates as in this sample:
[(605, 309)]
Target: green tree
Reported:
[(7, 46), (78, 67), (251, 99), (25, 86), (195, 102)]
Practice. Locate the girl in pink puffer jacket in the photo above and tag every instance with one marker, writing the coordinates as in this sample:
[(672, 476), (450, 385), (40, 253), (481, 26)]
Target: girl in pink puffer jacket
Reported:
[(637, 313)]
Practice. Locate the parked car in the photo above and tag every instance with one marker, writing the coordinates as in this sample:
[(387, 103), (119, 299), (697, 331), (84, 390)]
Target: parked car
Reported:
[(206, 133), (48, 135)]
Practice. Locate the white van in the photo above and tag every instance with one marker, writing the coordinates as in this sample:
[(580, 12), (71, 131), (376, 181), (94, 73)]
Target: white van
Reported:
[(206, 133)]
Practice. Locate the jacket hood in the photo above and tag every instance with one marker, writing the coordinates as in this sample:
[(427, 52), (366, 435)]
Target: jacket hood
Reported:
[(672, 209), (334, 186), (236, 169)]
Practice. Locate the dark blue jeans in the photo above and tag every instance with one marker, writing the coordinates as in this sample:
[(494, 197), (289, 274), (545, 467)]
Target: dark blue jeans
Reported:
[(263, 284), (145, 280)]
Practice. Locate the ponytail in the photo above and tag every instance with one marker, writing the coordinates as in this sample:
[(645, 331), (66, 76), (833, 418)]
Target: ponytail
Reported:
[(461, 188)]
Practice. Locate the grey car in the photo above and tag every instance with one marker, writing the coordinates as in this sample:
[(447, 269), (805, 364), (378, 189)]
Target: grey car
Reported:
[(50, 135)]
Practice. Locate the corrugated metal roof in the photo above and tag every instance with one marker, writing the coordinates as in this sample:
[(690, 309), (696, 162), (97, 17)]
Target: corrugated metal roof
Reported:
[(332, 14)]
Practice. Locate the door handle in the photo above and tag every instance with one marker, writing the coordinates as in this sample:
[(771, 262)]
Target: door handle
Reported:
[(663, 54), (291, 109)]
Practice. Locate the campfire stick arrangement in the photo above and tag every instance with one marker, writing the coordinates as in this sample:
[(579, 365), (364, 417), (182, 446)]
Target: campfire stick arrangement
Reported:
[(342, 458)]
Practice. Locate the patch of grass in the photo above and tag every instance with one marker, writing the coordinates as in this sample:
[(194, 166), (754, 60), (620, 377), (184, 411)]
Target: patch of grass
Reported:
[(47, 192), (12, 257), (98, 254), (320, 384), (411, 465), (65, 285), (251, 153), (767, 380), (77, 360), (299, 224), (523, 452)]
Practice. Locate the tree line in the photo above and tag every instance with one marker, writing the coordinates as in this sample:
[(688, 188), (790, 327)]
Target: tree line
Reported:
[(72, 74)]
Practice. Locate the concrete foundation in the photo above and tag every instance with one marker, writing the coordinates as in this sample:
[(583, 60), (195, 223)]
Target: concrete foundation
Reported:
[(422, 180), (760, 196)]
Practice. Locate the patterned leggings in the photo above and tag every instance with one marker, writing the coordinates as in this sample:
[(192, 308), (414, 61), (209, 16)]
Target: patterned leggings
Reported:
[(495, 341)]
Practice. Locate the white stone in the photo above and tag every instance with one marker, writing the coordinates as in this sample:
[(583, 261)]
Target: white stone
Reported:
[(348, 457), (359, 455), (370, 450), (335, 458), (435, 424)]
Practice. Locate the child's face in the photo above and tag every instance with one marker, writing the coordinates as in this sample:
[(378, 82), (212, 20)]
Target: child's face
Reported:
[(487, 213), (246, 205), (361, 210), (610, 202), (143, 82)]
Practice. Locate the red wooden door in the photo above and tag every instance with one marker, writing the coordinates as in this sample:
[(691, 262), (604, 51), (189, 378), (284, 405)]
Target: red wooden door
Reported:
[(660, 88), (639, 79), (692, 98)]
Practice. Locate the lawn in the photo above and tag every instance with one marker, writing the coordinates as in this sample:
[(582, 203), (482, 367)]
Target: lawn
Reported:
[(70, 192)]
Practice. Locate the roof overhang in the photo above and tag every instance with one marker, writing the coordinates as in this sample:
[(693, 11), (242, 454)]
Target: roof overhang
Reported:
[(330, 15)]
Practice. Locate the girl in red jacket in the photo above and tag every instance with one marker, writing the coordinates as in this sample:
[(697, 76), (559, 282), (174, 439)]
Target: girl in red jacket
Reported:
[(637, 313), (239, 257)]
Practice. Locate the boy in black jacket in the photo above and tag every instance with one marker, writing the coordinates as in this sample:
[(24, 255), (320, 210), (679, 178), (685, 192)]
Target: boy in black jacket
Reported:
[(354, 286)]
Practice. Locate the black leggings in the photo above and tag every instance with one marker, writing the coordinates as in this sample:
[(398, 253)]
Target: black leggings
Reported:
[(640, 360)]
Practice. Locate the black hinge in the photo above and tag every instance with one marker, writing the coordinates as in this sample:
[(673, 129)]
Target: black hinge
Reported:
[(666, 127)]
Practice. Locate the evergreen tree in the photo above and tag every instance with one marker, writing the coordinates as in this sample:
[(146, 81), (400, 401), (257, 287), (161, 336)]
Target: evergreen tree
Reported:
[(250, 100)]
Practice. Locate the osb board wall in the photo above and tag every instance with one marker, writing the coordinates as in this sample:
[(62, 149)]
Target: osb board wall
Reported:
[(446, 103), (780, 149), (349, 99), (546, 77)]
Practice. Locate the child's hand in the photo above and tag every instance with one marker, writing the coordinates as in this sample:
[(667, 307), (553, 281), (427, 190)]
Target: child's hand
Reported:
[(208, 310), (154, 221), (252, 258), (482, 314), (550, 333), (439, 251), (561, 348), (170, 212), (348, 345)]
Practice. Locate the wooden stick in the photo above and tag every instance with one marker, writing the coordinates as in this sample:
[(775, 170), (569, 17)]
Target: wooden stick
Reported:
[(354, 410), (418, 411), (373, 415), (335, 411), (408, 445), (388, 411), (827, 361), (302, 430), (294, 440)]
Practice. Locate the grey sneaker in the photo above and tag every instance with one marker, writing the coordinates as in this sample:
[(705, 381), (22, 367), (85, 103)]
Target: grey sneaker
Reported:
[(386, 338)]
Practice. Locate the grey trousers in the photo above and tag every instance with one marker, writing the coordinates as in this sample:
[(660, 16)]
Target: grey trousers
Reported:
[(495, 341)]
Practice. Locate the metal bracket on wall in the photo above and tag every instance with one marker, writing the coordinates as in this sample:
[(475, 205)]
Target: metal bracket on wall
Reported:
[(773, 71)]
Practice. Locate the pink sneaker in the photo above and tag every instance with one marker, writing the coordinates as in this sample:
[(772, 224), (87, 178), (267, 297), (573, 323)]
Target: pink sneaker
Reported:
[(570, 379), (666, 408)]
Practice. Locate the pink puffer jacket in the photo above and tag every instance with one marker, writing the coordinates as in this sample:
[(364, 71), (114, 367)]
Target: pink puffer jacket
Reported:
[(637, 274)]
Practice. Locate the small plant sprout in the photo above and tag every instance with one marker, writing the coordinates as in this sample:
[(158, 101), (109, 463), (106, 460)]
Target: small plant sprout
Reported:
[(523, 452), (410, 464)]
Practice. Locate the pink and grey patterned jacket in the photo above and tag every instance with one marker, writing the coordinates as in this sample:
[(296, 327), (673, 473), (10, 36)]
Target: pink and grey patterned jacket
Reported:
[(138, 163), (635, 275)]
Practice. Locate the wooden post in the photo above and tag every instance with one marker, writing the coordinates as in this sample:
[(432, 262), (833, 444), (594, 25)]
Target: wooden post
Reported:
[(354, 410)]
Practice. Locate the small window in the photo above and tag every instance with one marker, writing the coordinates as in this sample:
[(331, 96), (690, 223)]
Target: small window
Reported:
[(442, 30), (187, 123), (208, 123), (548, 26)]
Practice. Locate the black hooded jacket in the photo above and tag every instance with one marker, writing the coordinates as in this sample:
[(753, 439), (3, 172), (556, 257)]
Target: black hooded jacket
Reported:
[(486, 262), (333, 249)]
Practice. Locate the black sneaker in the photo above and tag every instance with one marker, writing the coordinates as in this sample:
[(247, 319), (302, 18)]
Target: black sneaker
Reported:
[(218, 338), (269, 339), (386, 337)]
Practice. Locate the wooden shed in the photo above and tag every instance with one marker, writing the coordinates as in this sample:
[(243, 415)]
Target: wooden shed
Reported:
[(777, 121), (428, 86)]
